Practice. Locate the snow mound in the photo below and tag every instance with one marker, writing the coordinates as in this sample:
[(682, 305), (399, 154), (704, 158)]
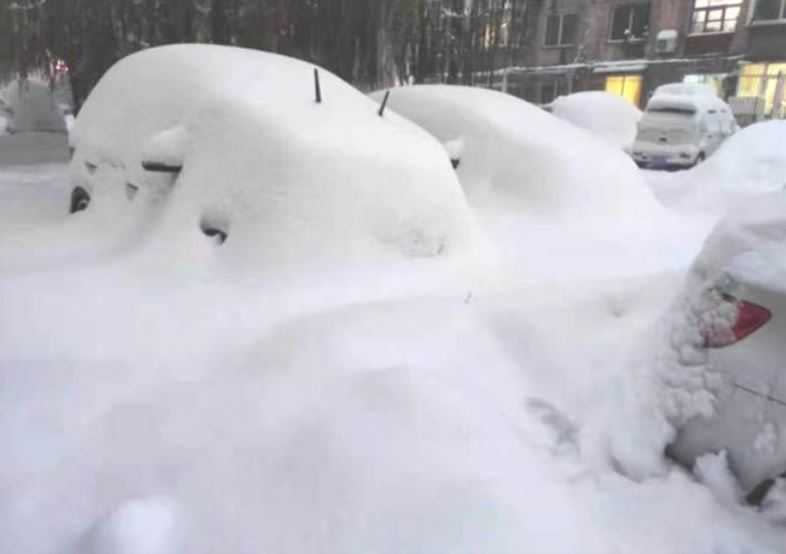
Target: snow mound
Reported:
[(518, 157), (33, 107), (291, 179), (145, 526), (758, 224), (608, 116), (749, 163)]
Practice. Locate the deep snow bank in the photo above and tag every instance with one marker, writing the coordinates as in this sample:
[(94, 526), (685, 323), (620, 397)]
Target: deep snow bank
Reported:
[(606, 115), (750, 162), (208, 418), (287, 178), (515, 155)]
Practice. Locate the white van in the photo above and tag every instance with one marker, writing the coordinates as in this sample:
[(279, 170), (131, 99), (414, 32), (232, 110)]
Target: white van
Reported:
[(681, 126)]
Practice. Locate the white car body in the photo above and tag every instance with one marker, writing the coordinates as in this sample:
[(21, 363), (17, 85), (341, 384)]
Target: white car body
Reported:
[(743, 261), (680, 130)]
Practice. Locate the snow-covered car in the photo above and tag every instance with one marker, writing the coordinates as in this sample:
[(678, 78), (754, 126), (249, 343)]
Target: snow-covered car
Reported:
[(728, 332), (512, 155), (608, 116), (681, 129), (266, 155)]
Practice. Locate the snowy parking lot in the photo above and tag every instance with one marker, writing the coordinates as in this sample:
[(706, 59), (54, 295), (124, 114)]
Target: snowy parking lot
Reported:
[(504, 400)]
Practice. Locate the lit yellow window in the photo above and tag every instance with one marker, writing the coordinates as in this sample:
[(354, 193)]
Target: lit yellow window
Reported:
[(614, 85), (749, 86), (627, 86), (758, 79), (775, 68)]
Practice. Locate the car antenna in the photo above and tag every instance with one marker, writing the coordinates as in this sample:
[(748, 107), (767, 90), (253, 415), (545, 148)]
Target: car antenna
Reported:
[(384, 103), (317, 88)]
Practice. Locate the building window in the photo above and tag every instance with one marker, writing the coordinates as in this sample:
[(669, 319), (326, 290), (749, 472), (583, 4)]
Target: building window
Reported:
[(715, 16), (630, 22), (561, 29), (627, 86), (769, 10), (763, 80)]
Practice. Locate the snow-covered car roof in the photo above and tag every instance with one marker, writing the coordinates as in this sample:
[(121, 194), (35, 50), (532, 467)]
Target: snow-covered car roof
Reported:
[(294, 178), (688, 103), (686, 89), (606, 115)]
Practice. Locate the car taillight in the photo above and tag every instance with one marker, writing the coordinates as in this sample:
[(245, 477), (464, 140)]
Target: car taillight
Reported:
[(749, 319)]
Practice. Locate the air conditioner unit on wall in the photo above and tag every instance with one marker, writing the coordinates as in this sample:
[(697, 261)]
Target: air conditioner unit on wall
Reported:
[(666, 41)]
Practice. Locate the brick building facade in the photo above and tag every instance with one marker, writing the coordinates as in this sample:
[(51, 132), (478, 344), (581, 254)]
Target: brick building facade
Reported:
[(629, 47)]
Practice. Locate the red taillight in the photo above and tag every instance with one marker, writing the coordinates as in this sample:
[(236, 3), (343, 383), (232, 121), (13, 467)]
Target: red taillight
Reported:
[(750, 318)]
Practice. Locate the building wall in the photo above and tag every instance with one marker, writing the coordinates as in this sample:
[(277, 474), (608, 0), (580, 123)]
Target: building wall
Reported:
[(570, 69), (767, 42)]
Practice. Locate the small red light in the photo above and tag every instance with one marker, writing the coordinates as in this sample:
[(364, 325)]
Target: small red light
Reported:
[(750, 318)]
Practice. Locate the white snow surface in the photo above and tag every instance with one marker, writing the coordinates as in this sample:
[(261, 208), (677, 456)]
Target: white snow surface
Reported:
[(505, 404), (605, 115), (749, 163), (293, 180)]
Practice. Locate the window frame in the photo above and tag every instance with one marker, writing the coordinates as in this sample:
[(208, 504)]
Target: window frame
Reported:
[(631, 7), (763, 77), (706, 10), (779, 20), (560, 30)]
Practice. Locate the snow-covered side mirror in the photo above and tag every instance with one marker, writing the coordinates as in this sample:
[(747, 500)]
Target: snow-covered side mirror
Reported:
[(455, 149), (164, 152)]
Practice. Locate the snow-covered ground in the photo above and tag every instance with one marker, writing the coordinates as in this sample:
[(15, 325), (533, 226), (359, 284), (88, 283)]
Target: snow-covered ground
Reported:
[(397, 406)]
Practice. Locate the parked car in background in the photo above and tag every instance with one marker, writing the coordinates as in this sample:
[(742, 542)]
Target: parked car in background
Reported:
[(682, 126), (729, 330)]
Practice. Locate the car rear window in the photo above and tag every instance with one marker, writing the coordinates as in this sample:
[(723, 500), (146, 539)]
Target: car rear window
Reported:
[(672, 110)]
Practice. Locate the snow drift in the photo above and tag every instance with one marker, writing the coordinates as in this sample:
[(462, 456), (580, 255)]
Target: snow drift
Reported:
[(605, 115), (515, 155), (286, 178), (329, 414), (749, 163)]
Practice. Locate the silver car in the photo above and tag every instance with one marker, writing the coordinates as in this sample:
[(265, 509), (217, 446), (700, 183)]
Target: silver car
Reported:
[(734, 308)]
